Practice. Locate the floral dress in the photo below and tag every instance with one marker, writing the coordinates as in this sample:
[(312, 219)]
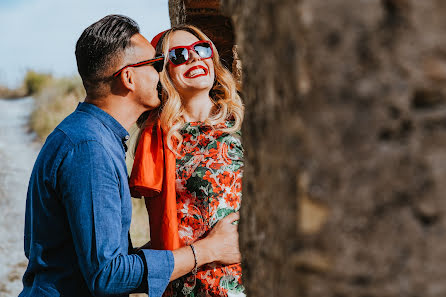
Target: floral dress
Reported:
[(208, 187)]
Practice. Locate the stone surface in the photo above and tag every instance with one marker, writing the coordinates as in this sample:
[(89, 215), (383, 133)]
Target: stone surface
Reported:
[(345, 117), (207, 16)]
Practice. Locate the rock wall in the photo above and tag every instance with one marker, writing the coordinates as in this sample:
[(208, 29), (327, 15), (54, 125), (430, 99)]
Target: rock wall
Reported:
[(206, 15), (268, 39), (345, 137)]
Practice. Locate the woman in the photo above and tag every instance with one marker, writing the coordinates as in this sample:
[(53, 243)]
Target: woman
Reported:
[(198, 130)]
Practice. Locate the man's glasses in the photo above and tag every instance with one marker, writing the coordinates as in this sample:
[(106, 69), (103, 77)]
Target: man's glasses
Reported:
[(157, 63), (180, 54)]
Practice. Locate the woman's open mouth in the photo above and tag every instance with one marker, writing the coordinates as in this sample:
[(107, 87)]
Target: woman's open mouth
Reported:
[(196, 71)]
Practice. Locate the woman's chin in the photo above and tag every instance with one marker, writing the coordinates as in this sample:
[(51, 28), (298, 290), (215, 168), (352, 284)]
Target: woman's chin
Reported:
[(199, 87)]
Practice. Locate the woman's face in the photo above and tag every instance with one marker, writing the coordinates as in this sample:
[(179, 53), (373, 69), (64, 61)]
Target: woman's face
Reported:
[(194, 76)]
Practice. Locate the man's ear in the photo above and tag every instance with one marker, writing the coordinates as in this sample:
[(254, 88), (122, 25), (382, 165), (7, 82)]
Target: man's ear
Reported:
[(128, 79)]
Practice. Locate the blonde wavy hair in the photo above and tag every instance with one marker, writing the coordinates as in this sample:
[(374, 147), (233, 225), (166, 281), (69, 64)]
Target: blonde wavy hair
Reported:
[(227, 102)]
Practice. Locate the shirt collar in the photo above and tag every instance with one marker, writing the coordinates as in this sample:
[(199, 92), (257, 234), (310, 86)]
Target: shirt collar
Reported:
[(105, 118)]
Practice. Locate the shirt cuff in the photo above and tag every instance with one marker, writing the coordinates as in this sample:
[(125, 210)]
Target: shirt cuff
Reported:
[(160, 266)]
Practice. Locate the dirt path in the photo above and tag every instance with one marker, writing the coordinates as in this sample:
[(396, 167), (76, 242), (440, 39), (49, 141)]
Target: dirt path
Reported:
[(18, 152)]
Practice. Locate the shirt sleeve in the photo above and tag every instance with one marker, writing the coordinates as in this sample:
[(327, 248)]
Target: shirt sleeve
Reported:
[(155, 282), (158, 271), (89, 186)]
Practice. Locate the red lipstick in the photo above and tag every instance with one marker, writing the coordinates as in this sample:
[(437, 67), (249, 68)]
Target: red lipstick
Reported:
[(192, 69)]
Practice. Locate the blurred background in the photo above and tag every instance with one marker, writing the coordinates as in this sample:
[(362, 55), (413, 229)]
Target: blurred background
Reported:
[(344, 133), (39, 86)]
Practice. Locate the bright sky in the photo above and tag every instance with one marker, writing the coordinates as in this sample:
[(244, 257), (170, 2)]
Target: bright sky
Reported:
[(41, 34)]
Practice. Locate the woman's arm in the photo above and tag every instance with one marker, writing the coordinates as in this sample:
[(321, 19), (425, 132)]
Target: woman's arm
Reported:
[(221, 245)]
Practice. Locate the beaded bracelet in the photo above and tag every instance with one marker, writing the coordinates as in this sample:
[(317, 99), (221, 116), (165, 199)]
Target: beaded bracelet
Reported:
[(194, 270), (187, 290)]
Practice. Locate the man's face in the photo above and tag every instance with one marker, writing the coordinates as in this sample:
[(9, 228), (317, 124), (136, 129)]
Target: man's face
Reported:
[(146, 77)]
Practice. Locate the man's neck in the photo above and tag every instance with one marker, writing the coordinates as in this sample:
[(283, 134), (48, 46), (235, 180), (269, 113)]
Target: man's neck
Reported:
[(120, 108)]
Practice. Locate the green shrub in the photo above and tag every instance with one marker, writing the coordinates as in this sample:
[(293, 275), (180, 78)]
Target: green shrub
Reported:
[(34, 82)]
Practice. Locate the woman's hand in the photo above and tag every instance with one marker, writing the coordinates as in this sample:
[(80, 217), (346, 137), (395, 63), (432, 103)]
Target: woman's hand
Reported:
[(222, 241)]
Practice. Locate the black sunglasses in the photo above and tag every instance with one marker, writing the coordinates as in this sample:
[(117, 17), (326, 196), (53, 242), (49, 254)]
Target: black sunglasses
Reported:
[(157, 63)]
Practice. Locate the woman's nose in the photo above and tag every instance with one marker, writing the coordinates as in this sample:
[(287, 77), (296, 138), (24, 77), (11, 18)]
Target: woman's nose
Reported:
[(193, 56)]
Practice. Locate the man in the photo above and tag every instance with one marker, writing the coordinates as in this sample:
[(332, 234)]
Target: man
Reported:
[(78, 207)]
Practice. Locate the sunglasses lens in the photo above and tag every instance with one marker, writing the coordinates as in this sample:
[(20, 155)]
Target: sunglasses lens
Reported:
[(204, 50), (158, 65), (178, 55)]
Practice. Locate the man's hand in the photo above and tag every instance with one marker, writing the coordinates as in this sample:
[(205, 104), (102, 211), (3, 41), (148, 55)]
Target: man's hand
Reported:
[(222, 241), (221, 245)]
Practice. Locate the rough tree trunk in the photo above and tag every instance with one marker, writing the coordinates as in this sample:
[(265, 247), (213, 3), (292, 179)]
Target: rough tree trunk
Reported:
[(345, 122), (268, 39), (345, 138), (207, 16)]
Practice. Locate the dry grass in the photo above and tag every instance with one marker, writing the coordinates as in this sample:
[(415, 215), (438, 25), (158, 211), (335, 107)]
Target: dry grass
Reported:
[(57, 99), (33, 83), (7, 93), (5, 290)]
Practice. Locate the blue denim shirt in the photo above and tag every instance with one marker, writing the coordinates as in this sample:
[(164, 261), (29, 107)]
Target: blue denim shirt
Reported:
[(78, 213)]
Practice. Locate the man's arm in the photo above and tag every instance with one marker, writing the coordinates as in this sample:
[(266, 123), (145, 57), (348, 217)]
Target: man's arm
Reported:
[(89, 186), (221, 245)]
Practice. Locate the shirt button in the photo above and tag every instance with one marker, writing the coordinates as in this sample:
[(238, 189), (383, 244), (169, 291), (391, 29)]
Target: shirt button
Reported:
[(126, 137)]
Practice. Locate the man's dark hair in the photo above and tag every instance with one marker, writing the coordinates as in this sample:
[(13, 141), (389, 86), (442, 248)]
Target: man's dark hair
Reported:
[(99, 51)]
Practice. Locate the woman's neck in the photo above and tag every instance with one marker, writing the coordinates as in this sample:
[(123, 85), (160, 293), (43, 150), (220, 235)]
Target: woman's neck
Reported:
[(198, 107)]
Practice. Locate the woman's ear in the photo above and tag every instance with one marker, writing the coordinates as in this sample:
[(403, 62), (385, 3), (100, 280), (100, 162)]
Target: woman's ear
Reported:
[(128, 79)]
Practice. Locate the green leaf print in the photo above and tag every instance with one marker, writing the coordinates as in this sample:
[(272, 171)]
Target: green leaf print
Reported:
[(185, 159), (212, 145), (223, 212), (230, 283), (200, 172), (201, 187), (194, 131)]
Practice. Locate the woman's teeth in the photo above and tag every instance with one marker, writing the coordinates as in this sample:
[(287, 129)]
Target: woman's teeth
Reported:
[(196, 72)]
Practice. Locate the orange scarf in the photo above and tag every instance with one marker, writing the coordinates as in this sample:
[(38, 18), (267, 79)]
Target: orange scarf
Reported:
[(153, 176)]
